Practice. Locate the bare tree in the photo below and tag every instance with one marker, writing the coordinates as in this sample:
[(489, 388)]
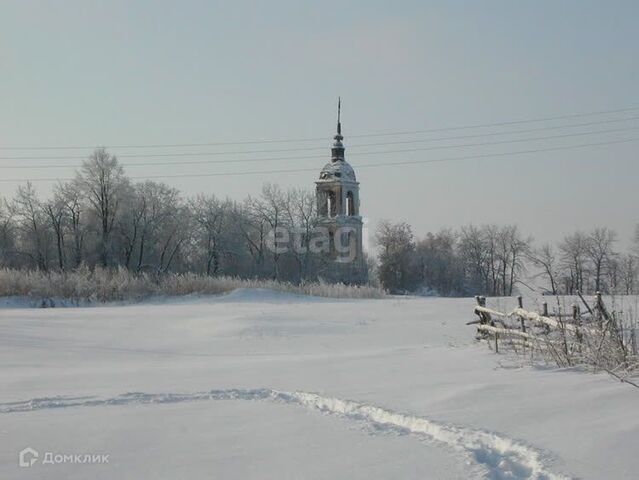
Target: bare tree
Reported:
[(300, 208), (491, 239), (519, 248), (628, 270), (55, 213), (165, 226), (210, 217), (31, 224), (129, 224), (475, 258), (599, 248), (103, 181), (253, 229), (269, 210), (397, 270), (157, 207), (70, 195), (493, 257), (545, 257), (574, 257), (7, 233), (506, 252), (174, 233), (439, 266)]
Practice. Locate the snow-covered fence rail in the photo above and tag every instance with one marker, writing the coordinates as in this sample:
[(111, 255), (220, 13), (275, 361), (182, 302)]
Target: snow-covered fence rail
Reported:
[(573, 322), (489, 318), (596, 337)]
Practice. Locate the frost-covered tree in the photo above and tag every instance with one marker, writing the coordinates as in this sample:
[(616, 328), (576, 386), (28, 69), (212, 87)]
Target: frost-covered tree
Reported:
[(628, 270), (493, 258), (104, 184), (151, 210), (31, 226), (600, 251), (476, 259), (300, 211), (213, 226), (71, 197), (513, 249), (396, 269), (573, 251), (546, 259), (269, 209), (55, 215), (439, 267), (7, 235)]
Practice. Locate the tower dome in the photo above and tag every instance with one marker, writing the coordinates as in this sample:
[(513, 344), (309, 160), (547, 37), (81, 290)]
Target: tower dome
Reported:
[(338, 168)]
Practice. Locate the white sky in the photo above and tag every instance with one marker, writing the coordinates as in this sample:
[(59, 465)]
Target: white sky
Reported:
[(121, 72)]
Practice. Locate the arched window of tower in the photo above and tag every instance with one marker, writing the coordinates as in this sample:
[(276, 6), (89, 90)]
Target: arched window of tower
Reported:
[(350, 204), (331, 204)]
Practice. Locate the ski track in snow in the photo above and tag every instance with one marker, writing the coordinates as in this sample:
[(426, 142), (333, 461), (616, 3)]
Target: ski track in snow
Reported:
[(500, 457)]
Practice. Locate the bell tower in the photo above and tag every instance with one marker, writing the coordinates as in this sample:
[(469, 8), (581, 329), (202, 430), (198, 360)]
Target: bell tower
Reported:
[(338, 209)]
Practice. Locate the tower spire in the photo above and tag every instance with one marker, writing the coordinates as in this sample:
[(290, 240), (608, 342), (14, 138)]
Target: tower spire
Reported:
[(339, 111), (338, 146)]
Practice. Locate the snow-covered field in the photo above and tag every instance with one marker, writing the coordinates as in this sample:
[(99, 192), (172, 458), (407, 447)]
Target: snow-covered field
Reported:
[(257, 384)]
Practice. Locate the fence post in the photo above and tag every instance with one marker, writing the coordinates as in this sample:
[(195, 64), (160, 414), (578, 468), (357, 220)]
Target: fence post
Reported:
[(483, 317), (481, 301), (520, 302), (576, 316), (545, 314), (489, 318), (599, 307)]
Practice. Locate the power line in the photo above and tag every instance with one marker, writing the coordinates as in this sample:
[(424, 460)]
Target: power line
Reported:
[(501, 124), (405, 150), (378, 134), (366, 165), (236, 152)]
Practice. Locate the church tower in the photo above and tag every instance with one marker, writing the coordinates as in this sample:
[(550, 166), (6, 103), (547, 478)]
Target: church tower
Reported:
[(337, 193)]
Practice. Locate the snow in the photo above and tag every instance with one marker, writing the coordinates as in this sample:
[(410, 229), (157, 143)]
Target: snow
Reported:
[(259, 384)]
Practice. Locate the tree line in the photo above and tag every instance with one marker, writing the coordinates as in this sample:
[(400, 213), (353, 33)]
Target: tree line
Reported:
[(498, 260), (102, 218)]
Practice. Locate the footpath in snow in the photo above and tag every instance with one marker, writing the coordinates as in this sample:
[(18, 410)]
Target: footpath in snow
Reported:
[(501, 456)]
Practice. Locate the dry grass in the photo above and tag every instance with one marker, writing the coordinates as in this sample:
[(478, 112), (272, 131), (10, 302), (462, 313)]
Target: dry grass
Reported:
[(105, 285)]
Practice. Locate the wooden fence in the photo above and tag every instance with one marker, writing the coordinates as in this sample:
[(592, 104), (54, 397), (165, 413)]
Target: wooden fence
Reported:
[(534, 329), (595, 336)]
